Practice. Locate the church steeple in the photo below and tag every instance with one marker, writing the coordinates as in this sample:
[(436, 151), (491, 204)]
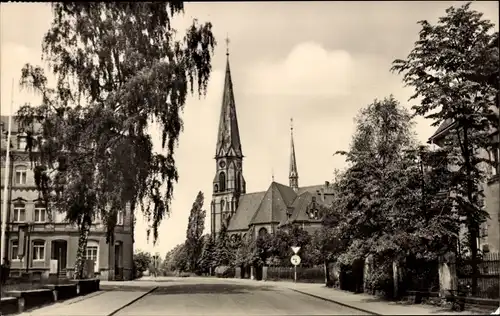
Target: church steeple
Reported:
[(294, 175), (228, 139), (229, 183)]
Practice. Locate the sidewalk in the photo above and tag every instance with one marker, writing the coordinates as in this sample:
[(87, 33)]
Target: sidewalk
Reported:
[(101, 303), (365, 302)]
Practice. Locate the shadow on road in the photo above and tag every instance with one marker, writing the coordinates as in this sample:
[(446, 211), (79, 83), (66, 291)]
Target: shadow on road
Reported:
[(208, 289), (124, 288)]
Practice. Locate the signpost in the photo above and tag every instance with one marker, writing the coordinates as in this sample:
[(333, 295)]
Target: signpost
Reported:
[(295, 260)]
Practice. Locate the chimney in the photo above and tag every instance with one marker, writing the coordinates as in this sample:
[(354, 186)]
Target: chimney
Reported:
[(322, 193), (327, 184)]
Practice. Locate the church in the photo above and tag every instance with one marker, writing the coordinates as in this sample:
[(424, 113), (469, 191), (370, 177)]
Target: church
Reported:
[(257, 212)]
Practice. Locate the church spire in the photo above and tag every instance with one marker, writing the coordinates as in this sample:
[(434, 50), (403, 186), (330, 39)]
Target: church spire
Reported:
[(294, 175), (228, 139)]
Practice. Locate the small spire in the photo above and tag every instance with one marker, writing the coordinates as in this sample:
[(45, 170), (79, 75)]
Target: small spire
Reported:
[(293, 175), (272, 173), (227, 44)]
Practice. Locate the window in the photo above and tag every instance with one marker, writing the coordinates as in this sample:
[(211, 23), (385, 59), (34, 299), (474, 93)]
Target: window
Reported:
[(38, 250), (40, 214), (120, 218), (14, 250), (92, 253), (21, 142), (222, 204), (19, 213), (495, 157), (216, 188), (262, 232), (21, 175), (238, 181), (222, 181)]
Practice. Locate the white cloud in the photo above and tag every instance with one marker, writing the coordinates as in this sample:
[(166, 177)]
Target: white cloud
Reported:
[(309, 69)]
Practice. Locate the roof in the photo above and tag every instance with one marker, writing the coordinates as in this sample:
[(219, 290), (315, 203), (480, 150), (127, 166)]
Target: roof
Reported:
[(442, 129), (271, 206), (247, 205), (228, 137)]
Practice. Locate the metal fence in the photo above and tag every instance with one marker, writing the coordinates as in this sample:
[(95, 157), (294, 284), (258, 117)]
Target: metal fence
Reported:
[(488, 278), (306, 275)]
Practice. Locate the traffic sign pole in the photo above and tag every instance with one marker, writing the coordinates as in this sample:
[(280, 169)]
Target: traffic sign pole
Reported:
[(295, 274)]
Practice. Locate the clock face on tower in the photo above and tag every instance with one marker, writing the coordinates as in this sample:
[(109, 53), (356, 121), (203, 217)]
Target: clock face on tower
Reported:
[(222, 164)]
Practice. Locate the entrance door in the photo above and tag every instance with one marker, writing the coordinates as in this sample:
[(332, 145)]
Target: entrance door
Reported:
[(118, 261), (59, 253)]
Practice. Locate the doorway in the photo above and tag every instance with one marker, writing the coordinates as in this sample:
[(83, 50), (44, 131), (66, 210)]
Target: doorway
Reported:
[(60, 253), (118, 260)]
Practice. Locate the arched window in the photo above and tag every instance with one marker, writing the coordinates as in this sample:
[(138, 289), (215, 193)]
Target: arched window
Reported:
[(222, 204), (216, 188), (238, 181), (222, 181), (262, 232)]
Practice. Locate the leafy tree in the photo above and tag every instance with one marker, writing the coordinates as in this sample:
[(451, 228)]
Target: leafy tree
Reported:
[(379, 200), (208, 254), (223, 248), (177, 259), (118, 68), (196, 226), (142, 261), (454, 70)]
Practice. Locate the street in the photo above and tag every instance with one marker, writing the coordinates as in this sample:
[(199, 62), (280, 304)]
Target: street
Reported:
[(196, 296)]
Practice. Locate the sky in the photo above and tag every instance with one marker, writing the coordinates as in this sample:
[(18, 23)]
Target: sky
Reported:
[(318, 62)]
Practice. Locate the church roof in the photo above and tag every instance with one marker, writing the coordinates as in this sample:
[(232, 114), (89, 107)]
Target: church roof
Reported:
[(228, 138), (271, 206)]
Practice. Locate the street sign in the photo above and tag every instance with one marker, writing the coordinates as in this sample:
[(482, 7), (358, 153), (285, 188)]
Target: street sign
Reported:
[(295, 249), (295, 260)]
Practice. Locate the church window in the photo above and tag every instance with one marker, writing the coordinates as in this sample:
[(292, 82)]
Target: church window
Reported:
[(222, 181), (216, 188), (238, 181), (262, 232), (222, 205)]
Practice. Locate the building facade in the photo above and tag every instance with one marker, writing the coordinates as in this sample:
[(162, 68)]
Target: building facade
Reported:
[(35, 237), (257, 212), (489, 237)]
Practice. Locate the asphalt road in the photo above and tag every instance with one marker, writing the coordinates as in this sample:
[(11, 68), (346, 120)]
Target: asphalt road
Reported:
[(193, 296)]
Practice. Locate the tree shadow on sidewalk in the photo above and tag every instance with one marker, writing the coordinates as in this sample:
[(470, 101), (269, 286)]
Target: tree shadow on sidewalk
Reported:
[(208, 289)]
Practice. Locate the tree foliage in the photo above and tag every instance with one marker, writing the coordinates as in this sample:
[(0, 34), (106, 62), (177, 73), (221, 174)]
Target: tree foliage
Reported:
[(390, 202), (208, 254), (177, 259), (118, 68), (142, 260), (194, 233), (223, 248), (454, 69)]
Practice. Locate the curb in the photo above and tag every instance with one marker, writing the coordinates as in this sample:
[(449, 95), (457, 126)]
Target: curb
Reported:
[(336, 302), (84, 297), (133, 301)]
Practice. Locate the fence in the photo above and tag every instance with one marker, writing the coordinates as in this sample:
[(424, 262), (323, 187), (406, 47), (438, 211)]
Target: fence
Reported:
[(488, 278), (306, 275)]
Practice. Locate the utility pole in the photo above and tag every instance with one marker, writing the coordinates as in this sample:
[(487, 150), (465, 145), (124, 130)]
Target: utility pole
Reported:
[(5, 208)]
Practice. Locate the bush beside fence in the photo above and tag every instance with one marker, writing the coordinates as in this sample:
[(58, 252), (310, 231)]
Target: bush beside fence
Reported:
[(305, 275)]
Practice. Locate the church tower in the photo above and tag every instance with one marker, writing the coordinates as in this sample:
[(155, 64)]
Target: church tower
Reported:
[(293, 175), (228, 182)]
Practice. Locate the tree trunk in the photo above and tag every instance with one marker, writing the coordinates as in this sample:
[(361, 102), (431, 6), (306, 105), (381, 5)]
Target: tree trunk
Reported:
[(82, 247), (473, 225), (327, 272)]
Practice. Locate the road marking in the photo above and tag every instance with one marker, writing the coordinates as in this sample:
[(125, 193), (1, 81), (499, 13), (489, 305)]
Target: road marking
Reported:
[(336, 302), (133, 301)]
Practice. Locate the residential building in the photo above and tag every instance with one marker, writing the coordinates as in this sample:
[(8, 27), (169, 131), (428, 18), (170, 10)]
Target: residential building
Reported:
[(489, 239), (257, 212), (42, 236)]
